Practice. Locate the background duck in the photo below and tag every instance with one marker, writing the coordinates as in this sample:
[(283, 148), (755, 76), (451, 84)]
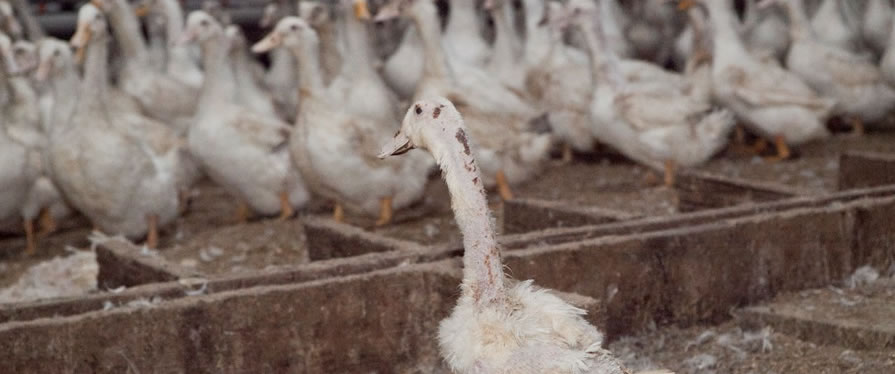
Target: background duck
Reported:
[(771, 101), (244, 151), (336, 149)]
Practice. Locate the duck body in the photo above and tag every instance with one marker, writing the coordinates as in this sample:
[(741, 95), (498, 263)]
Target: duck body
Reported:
[(770, 100), (243, 151)]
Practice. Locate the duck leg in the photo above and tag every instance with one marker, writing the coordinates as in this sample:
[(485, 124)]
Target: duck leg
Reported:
[(339, 213), (242, 212), (286, 210), (385, 211), (670, 167), (783, 152), (567, 154), (857, 126), (30, 246), (152, 233), (503, 187), (47, 222)]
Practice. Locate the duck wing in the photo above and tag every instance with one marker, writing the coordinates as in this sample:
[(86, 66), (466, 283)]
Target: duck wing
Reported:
[(771, 88), (264, 131)]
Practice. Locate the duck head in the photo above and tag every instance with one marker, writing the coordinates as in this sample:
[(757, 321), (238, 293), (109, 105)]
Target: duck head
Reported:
[(289, 32), (53, 56), (432, 124), (200, 26), (91, 25), (25, 54)]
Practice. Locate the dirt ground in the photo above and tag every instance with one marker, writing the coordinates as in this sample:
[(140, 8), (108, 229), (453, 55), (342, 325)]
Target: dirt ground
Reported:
[(744, 348)]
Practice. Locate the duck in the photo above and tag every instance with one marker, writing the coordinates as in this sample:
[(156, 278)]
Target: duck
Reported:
[(280, 77), (877, 25), (334, 148), (244, 151), (498, 325), (887, 62), (765, 32), (33, 31), (9, 24), (332, 43), (91, 147), (463, 39), (403, 69), (767, 99), (508, 47), (650, 29), (852, 80), (363, 90), (249, 92), (651, 124), (558, 80), (510, 149), (179, 63), (160, 95), (834, 23)]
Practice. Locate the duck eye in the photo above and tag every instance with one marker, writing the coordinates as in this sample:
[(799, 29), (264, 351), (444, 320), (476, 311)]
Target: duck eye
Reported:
[(204, 23), (56, 53), (294, 27), (418, 110)]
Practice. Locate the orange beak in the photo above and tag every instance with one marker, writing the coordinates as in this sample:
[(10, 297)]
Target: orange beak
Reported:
[(361, 10), (79, 41), (269, 42), (684, 4)]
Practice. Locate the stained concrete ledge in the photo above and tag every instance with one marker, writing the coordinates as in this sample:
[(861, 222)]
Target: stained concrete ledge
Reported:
[(866, 169), (862, 319)]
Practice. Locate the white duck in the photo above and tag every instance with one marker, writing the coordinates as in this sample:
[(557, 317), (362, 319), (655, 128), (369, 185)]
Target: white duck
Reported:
[(506, 56), (336, 149), (91, 147), (280, 77), (160, 95), (249, 92), (179, 63), (9, 24), (245, 152), (765, 31), (887, 64), (463, 39), (404, 68), (877, 25), (498, 325), (651, 124), (509, 152), (834, 24), (332, 48), (853, 81), (773, 102)]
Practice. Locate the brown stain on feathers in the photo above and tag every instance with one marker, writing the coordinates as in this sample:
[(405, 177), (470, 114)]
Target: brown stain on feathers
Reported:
[(436, 113), (461, 137)]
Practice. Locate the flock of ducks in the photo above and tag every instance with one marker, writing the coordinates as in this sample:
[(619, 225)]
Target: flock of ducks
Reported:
[(118, 122)]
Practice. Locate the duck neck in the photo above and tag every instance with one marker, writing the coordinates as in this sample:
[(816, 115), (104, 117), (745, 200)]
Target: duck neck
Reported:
[(538, 37), (218, 85), (463, 18), (357, 45), (482, 268), (506, 42), (64, 90), (799, 24), (604, 63), (96, 76), (310, 75), (173, 18), (127, 30), (425, 18), (726, 40)]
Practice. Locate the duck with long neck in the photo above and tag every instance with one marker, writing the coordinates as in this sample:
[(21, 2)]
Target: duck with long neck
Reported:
[(159, 95), (331, 44), (220, 84), (498, 326), (56, 67), (368, 94), (463, 35), (507, 46), (249, 92), (180, 64)]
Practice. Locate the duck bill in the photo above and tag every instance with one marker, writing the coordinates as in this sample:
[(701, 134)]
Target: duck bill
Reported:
[(684, 4), (269, 42), (388, 12), (141, 10), (399, 145), (361, 10), (79, 40)]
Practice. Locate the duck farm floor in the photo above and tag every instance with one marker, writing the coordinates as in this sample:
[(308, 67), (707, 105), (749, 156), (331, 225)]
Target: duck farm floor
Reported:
[(741, 266)]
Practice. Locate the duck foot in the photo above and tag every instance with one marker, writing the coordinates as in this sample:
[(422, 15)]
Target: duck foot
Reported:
[(47, 223), (242, 212), (339, 213), (567, 154), (385, 212), (503, 187), (670, 167), (286, 210), (152, 233), (30, 246), (783, 152), (857, 127)]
